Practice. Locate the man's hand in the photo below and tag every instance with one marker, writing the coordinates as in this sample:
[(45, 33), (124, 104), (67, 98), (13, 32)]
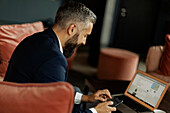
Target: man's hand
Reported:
[(101, 95), (104, 107)]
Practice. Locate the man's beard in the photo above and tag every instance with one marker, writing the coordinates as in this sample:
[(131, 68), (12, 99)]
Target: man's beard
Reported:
[(70, 46)]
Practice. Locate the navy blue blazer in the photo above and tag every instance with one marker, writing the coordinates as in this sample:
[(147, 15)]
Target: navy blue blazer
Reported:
[(38, 59)]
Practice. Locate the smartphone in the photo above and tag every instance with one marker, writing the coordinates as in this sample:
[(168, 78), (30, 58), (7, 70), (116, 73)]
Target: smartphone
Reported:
[(116, 102)]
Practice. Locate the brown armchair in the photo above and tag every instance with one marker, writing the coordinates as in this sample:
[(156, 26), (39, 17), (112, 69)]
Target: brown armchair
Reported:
[(158, 61)]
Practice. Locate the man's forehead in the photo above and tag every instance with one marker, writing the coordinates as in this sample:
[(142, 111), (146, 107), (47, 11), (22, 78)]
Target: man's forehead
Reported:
[(89, 28)]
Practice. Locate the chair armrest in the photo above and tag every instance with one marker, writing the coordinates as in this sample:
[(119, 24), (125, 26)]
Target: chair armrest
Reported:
[(56, 97), (153, 58)]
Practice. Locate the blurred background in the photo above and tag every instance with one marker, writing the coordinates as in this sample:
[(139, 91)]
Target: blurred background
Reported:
[(133, 25)]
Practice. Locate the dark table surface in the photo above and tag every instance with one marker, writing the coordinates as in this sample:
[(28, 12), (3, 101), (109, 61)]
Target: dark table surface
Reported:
[(116, 87)]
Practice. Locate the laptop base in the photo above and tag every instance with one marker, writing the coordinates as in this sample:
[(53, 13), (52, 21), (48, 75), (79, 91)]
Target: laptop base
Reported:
[(129, 105)]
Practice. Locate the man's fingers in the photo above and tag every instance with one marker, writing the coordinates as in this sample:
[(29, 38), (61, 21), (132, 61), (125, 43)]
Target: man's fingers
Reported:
[(112, 108), (101, 95), (101, 99), (105, 92), (104, 107), (109, 102)]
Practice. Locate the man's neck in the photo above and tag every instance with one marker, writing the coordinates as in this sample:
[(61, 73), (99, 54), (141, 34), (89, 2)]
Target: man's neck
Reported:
[(59, 39)]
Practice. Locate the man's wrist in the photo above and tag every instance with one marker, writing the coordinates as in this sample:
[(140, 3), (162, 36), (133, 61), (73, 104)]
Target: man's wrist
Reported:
[(84, 98)]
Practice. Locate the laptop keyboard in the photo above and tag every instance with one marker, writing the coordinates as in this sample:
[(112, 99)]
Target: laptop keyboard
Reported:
[(133, 105)]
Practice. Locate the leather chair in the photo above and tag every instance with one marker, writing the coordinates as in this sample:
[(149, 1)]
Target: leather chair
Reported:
[(55, 97), (11, 36), (158, 61)]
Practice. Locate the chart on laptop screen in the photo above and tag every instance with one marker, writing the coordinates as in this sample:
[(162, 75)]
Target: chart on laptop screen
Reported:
[(146, 89)]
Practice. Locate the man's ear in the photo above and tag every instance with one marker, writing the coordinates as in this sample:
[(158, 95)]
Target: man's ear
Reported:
[(72, 29)]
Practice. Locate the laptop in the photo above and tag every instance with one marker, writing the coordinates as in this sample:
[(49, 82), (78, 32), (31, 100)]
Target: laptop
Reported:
[(143, 95)]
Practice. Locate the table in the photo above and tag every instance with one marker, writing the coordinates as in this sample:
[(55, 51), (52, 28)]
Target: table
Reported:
[(116, 87)]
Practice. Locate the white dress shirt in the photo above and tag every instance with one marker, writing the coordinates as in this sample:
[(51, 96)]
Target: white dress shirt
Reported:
[(77, 98)]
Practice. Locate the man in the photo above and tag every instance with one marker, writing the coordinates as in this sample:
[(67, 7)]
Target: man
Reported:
[(39, 58)]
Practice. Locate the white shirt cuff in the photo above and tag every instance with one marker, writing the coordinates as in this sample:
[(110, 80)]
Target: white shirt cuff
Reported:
[(93, 110), (77, 98)]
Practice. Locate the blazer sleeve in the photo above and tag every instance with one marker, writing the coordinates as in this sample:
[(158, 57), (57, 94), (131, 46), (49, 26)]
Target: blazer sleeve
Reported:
[(53, 70)]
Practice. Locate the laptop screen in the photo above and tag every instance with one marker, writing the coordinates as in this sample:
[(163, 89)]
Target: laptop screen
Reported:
[(146, 89)]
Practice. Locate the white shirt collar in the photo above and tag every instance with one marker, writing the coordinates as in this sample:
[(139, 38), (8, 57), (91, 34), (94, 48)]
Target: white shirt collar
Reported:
[(61, 48)]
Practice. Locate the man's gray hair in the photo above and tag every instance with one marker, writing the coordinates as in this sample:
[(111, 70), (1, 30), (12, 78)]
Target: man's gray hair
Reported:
[(74, 11)]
